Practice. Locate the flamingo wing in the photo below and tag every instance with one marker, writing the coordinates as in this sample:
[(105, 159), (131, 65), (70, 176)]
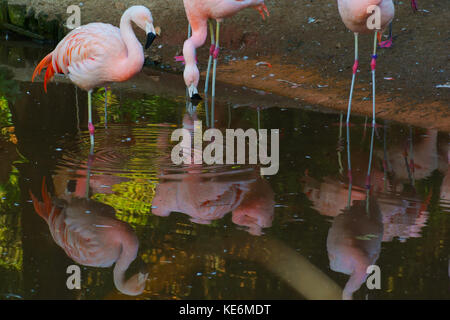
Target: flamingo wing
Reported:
[(81, 236), (84, 55)]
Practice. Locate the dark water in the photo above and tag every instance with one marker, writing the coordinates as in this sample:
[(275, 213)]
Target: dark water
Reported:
[(216, 232)]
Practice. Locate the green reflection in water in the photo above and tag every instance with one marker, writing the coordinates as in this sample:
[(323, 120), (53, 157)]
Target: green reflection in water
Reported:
[(132, 200), (156, 108), (11, 251)]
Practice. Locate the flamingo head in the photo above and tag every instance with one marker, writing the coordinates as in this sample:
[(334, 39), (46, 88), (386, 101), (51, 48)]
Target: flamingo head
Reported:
[(255, 215), (134, 286), (191, 78), (143, 18)]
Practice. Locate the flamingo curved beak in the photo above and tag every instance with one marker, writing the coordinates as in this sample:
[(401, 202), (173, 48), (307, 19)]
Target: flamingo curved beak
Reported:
[(193, 93), (151, 34)]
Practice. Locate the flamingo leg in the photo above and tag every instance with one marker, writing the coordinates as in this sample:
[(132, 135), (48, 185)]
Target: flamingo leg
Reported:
[(78, 110), (349, 168), (213, 109), (216, 55), (188, 35), (370, 159), (385, 157), (339, 144), (355, 70), (106, 107), (259, 118), (90, 125), (207, 113), (373, 65), (211, 55), (369, 169), (88, 173)]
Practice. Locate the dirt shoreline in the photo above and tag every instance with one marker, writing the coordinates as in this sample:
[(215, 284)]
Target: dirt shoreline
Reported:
[(311, 54), (333, 94)]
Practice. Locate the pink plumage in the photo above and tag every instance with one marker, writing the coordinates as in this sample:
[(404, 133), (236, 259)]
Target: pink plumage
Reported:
[(355, 13), (98, 53), (198, 13), (90, 234)]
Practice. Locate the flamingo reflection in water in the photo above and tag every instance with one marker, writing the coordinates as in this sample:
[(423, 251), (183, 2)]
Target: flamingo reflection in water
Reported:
[(354, 239), (354, 242), (90, 234), (210, 196), (209, 193), (390, 211)]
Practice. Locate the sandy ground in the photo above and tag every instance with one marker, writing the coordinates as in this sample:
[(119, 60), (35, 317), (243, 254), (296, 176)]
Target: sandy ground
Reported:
[(311, 54)]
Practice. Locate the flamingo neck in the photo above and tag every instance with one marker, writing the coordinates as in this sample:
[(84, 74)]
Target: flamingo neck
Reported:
[(134, 59), (191, 72), (127, 255)]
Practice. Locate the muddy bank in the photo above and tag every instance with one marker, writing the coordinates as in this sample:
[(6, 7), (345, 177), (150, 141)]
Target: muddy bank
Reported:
[(311, 54)]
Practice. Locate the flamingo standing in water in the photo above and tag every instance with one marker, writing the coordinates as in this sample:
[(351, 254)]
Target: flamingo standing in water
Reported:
[(97, 53), (198, 13), (90, 234), (355, 15)]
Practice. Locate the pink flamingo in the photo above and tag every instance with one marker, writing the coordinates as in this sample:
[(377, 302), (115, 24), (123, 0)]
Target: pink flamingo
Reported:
[(367, 16), (198, 13), (90, 234), (361, 16), (97, 53)]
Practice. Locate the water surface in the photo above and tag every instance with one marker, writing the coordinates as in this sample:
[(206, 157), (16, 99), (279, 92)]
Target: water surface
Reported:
[(219, 232)]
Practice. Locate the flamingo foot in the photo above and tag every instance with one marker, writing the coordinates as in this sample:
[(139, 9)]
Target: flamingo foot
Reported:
[(262, 9), (385, 44), (181, 59)]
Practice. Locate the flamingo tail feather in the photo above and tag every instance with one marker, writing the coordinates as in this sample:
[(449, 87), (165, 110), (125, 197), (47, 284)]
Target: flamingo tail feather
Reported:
[(44, 209), (45, 63)]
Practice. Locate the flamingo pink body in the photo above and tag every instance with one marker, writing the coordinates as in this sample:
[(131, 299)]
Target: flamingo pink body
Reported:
[(198, 12), (97, 53), (90, 234), (354, 243), (354, 14), (366, 16)]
